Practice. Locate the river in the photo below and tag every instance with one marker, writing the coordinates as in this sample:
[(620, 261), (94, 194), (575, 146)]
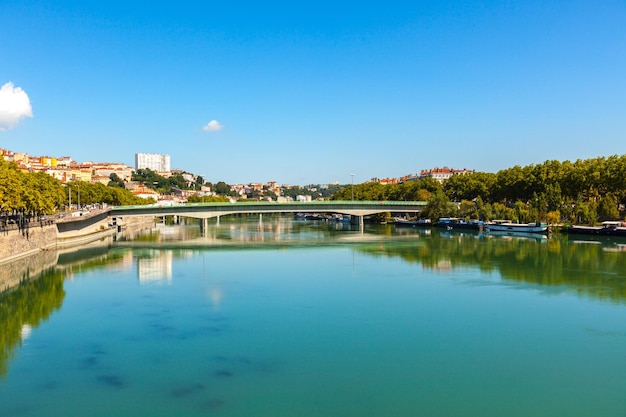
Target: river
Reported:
[(295, 318)]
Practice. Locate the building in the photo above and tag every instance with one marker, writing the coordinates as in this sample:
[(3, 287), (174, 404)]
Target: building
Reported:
[(154, 161), (442, 174), (385, 181)]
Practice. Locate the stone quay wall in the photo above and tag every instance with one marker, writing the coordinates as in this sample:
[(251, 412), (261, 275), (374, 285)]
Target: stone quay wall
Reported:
[(17, 243), (35, 237)]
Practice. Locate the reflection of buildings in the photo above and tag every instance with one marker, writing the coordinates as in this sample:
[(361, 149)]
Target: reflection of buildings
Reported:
[(158, 267), (273, 231)]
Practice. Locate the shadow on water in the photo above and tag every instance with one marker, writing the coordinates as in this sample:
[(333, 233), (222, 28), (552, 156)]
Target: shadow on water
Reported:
[(187, 390), (112, 381)]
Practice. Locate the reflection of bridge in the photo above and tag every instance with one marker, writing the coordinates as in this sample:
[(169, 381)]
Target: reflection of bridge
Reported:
[(357, 209)]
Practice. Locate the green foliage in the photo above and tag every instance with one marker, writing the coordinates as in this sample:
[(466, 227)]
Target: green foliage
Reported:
[(116, 181), (583, 191), (468, 210), (419, 190), (207, 199), (296, 190), (221, 188), (439, 206), (607, 207), (89, 193), (31, 303), (585, 211), (34, 194), (164, 185), (41, 193), (11, 180), (316, 191), (469, 187), (31, 194)]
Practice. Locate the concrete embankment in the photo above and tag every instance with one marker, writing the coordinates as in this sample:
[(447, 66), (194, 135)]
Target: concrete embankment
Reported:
[(73, 231), (35, 237), (18, 243)]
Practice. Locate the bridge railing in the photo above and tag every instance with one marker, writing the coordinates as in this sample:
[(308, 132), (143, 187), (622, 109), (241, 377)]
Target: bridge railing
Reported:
[(355, 203)]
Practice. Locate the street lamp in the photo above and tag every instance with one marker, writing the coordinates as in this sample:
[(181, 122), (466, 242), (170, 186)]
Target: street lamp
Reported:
[(352, 175)]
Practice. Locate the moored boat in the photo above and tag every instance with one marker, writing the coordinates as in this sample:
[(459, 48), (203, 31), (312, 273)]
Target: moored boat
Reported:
[(608, 228), (398, 221), (518, 227), (454, 223)]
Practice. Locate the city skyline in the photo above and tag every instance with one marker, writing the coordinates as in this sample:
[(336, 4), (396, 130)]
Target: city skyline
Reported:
[(304, 94), (64, 168)]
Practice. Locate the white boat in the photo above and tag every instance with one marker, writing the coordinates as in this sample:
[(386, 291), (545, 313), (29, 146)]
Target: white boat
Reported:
[(517, 227)]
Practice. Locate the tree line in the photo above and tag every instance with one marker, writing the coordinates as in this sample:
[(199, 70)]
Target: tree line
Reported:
[(37, 193), (584, 192), (164, 185)]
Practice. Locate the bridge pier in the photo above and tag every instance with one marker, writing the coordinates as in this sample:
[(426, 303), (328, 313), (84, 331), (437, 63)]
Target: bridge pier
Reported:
[(354, 219), (218, 221), (204, 226)]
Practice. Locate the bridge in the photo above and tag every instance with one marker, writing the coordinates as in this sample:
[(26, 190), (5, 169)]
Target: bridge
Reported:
[(204, 211)]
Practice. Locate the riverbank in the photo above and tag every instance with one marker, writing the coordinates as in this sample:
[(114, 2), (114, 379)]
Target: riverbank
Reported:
[(36, 237), (19, 243)]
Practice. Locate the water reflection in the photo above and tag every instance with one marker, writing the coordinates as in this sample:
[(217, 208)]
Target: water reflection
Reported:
[(592, 268), (26, 307), (155, 266), (595, 269), (34, 289)]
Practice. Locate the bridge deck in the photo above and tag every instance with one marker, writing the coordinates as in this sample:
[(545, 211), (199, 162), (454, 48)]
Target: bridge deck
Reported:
[(208, 210)]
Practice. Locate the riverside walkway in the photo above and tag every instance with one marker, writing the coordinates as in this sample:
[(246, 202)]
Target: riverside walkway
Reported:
[(357, 209)]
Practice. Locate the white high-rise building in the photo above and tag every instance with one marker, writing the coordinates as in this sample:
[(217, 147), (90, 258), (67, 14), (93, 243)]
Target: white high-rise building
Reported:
[(154, 161)]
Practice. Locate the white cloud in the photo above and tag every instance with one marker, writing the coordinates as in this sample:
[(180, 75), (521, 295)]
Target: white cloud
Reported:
[(213, 126), (14, 106)]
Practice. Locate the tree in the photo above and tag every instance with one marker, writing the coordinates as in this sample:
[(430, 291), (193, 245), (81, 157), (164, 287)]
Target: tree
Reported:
[(207, 199), (221, 188), (438, 205), (10, 187), (607, 207), (522, 214), (585, 211), (116, 181), (468, 209), (470, 186)]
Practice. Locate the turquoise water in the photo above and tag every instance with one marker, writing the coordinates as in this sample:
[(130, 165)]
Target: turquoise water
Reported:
[(319, 321)]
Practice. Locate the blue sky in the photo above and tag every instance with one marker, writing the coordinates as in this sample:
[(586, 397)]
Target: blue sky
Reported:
[(313, 91)]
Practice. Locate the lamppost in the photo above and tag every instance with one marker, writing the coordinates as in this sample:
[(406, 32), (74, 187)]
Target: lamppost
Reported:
[(352, 175)]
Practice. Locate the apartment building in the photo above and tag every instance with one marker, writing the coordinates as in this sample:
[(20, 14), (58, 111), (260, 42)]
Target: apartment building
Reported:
[(154, 161)]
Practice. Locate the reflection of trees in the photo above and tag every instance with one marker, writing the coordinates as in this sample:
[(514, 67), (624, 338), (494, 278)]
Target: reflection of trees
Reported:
[(37, 297), (596, 270), (27, 305)]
